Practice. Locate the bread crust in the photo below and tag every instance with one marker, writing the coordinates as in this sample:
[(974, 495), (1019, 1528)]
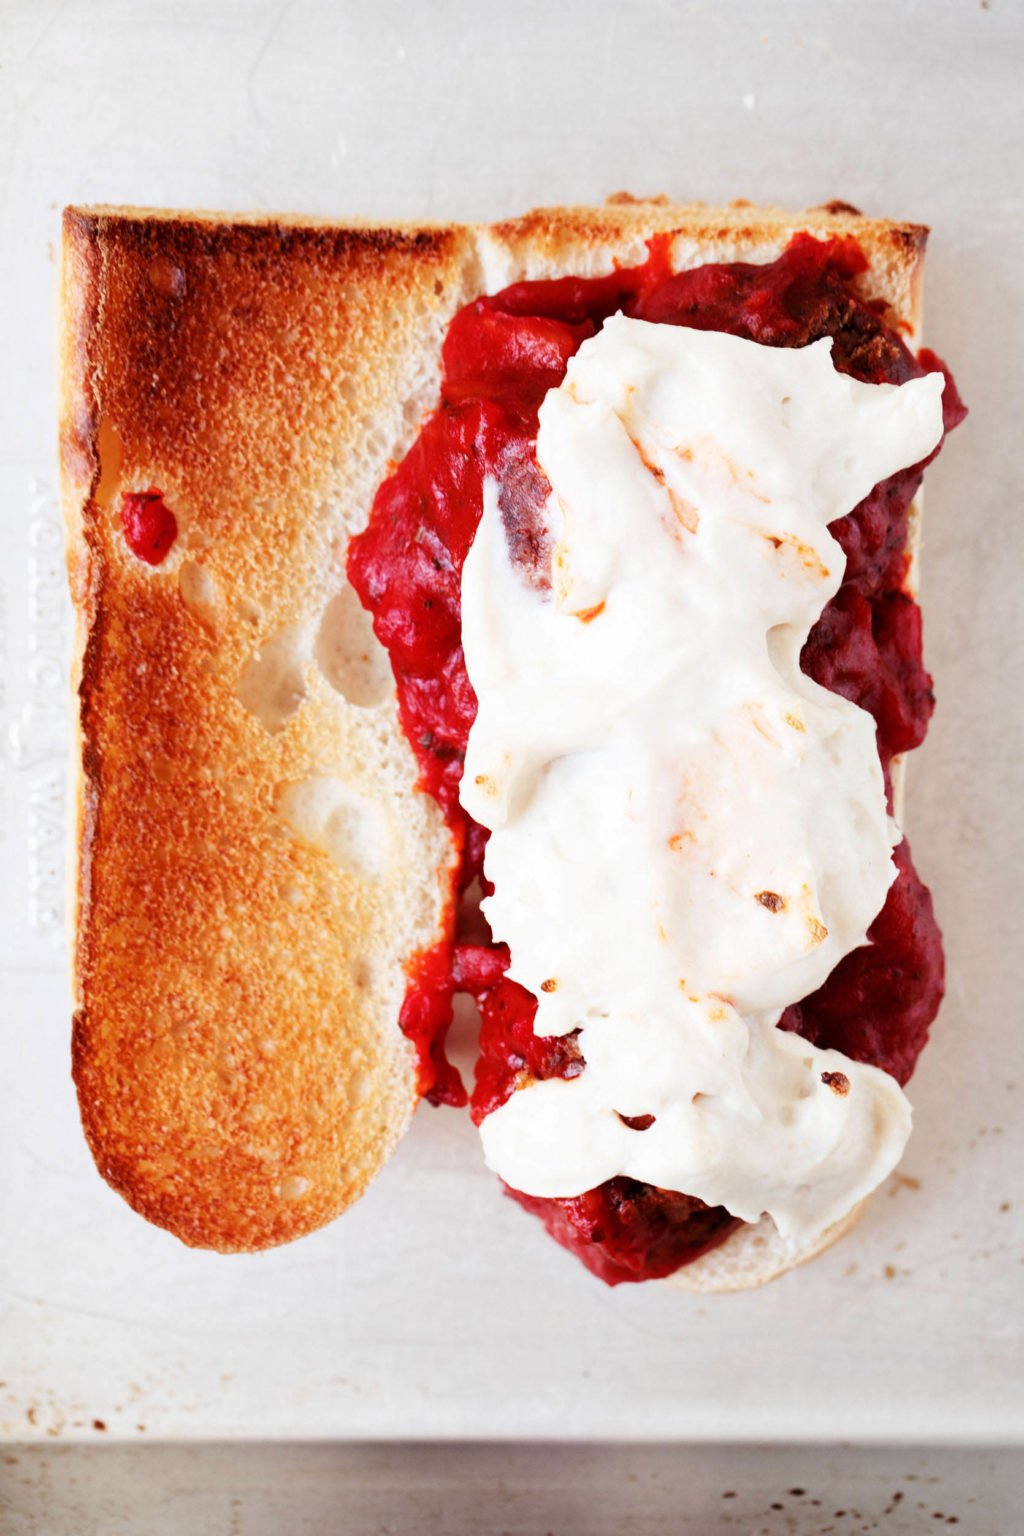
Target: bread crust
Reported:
[(239, 963)]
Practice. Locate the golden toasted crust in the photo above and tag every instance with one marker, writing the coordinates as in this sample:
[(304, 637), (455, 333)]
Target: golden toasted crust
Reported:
[(624, 217), (239, 1067), (552, 240), (240, 943)]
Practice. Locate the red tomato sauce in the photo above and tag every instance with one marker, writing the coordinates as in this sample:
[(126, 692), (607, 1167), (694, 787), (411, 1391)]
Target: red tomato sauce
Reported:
[(500, 357), (150, 527)]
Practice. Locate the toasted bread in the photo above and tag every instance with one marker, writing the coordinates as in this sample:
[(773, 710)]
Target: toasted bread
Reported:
[(257, 867)]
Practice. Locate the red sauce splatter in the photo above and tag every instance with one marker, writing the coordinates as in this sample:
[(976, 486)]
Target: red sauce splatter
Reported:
[(150, 527), (501, 355)]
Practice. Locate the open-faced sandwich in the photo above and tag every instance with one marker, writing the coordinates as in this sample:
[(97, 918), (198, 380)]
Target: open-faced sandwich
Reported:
[(569, 561)]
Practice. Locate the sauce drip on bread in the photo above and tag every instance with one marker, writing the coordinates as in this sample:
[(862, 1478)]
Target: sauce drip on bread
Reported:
[(150, 527)]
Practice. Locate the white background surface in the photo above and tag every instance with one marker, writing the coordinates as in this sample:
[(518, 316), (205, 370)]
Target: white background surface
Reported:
[(436, 1308)]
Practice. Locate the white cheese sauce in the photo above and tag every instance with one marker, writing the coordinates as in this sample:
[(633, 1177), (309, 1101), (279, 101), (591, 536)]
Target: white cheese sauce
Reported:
[(687, 834)]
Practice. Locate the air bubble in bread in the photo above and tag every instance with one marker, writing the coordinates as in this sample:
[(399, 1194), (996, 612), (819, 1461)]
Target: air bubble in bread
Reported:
[(348, 653), (348, 826), (272, 684), (200, 594)]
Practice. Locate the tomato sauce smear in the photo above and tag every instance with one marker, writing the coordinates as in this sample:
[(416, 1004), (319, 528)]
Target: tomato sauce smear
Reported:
[(501, 355), (150, 527)]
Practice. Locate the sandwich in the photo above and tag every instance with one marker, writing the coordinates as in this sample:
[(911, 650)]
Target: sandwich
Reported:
[(568, 563)]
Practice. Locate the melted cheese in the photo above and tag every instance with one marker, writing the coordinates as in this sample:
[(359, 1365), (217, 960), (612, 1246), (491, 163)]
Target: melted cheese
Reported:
[(687, 834)]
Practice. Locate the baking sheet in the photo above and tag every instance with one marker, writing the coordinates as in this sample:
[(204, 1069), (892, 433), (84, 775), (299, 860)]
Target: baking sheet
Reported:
[(378, 1489), (436, 1308)]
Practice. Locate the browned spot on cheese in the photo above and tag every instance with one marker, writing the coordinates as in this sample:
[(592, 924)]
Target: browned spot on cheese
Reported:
[(795, 722), (686, 513), (551, 985), (649, 465), (838, 1082), (677, 840), (806, 554), (771, 900), (819, 933), (738, 479), (585, 615), (684, 510)]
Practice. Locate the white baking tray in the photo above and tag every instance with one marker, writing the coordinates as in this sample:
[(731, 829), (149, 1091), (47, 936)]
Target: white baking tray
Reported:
[(436, 1308)]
